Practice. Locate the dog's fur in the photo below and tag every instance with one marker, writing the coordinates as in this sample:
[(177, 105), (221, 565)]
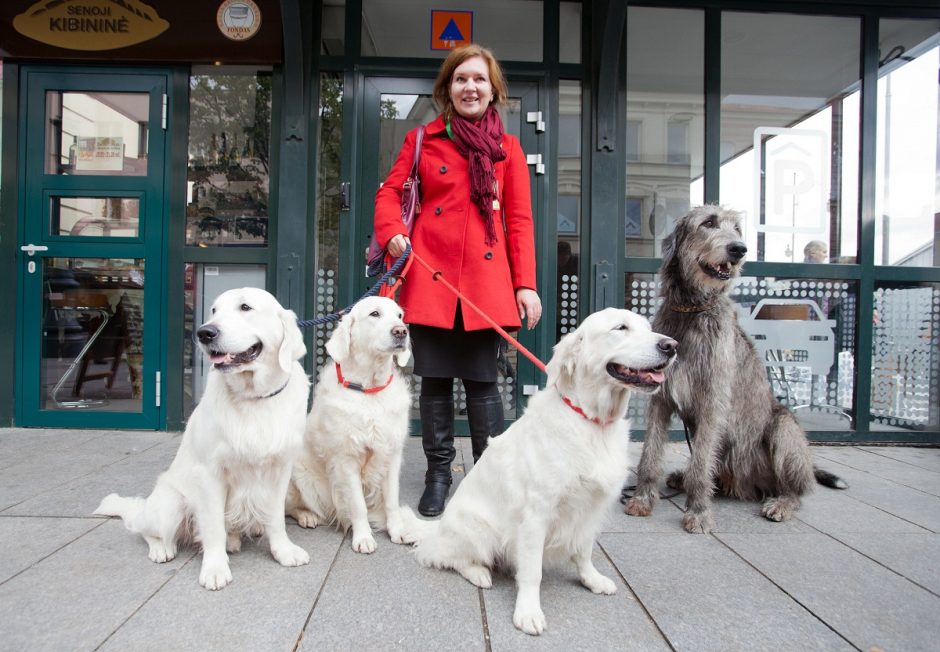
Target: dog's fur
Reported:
[(349, 470), (230, 474), (543, 488), (745, 443)]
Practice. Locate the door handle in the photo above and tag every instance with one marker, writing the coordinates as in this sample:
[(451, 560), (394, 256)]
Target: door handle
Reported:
[(344, 188), (31, 249)]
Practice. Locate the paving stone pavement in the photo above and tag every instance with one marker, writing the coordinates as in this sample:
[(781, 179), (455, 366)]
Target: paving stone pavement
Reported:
[(855, 570)]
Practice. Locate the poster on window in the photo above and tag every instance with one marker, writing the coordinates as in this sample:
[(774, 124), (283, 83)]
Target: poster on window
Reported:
[(99, 154)]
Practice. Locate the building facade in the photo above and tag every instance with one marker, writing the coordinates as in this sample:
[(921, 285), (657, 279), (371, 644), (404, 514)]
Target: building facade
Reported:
[(157, 153)]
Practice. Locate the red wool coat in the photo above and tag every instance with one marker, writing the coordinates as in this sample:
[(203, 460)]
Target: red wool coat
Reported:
[(449, 233)]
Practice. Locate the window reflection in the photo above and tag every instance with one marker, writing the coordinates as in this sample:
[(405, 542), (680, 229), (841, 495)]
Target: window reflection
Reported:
[(790, 134), (907, 202), (568, 277), (665, 122), (229, 158)]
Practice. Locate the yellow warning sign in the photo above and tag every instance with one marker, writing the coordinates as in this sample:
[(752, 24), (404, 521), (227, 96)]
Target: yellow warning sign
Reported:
[(450, 29)]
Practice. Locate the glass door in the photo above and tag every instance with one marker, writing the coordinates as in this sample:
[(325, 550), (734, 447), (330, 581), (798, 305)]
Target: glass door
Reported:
[(394, 106), (91, 248)]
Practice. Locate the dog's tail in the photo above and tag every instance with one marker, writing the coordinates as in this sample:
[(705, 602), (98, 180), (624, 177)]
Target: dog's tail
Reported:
[(129, 509), (827, 479)]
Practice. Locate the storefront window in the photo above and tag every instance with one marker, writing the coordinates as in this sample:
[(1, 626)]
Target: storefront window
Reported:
[(423, 28), (790, 132), (665, 122), (202, 283), (907, 201), (227, 181), (568, 278), (569, 45), (328, 204), (333, 32), (804, 332)]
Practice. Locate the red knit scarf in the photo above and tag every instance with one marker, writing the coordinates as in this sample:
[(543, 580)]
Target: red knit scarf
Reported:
[(481, 143)]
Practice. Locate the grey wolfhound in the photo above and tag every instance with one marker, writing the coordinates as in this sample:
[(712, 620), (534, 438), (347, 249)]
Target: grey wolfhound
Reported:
[(746, 444)]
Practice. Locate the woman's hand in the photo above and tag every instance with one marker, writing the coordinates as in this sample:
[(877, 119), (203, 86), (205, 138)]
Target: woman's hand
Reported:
[(530, 306), (397, 245)]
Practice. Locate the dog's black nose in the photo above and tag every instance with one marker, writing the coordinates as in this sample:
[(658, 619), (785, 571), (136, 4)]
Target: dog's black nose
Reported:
[(668, 346), (400, 332), (207, 333), (736, 250)]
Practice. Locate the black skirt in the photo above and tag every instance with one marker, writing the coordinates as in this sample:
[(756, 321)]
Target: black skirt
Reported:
[(455, 353)]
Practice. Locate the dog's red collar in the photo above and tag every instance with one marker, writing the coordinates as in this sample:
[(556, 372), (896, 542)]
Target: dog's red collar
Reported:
[(574, 407), (356, 386)]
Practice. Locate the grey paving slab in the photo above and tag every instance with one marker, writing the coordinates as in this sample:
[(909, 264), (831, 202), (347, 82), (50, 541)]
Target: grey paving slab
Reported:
[(704, 597), (264, 608), (866, 603), (841, 511), (18, 445), (132, 475), (924, 458), (386, 600), (901, 501), (915, 556), (576, 618), (903, 473), (54, 468), (25, 541), (75, 598)]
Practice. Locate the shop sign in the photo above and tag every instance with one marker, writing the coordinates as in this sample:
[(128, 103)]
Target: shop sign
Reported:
[(238, 20), (450, 29), (90, 24)]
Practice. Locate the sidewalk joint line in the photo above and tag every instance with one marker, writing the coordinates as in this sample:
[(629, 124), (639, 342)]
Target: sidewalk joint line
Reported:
[(316, 600)]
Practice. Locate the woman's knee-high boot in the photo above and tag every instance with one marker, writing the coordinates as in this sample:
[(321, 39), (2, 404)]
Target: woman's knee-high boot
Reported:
[(437, 436), (485, 417)]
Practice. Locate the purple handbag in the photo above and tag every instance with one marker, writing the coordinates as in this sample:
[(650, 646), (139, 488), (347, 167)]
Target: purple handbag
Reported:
[(410, 207)]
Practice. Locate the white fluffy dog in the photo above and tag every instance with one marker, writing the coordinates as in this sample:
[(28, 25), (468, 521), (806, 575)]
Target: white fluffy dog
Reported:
[(543, 488), (349, 470), (233, 466)]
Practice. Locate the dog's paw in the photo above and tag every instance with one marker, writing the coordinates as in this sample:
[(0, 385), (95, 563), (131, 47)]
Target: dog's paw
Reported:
[(305, 518), (780, 508), (597, 583), (159, 552), (698, 522), (675, 480), (233, 542), (290, 554), (529, 618), (364, 544), (638, 507), (214, 575), (477, 575)]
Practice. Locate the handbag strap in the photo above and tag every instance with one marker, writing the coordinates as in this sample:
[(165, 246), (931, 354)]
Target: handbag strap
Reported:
[(419, 138)]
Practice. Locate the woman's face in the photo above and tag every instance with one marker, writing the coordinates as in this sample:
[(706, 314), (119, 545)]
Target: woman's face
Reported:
[(470, 88)]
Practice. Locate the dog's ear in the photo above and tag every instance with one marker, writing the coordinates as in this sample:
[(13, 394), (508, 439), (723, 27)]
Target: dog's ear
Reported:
[(292, 346), (339, 343), (564, 358)]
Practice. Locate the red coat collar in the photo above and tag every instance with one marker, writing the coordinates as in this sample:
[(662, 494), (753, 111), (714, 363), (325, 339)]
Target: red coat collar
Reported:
[(436, 126)]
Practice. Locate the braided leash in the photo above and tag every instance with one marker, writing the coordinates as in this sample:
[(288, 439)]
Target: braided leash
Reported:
[(336, 316)]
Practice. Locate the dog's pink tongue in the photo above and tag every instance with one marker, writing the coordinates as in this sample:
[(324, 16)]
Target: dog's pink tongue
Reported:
[(653, 376), (221, 358)]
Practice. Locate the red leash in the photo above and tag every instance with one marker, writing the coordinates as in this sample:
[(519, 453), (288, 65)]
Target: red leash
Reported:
[(439, 276)]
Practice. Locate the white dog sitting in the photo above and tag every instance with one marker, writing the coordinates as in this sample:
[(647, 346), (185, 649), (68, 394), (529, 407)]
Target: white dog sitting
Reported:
[(543, 488), (233, 466), (356, 430)]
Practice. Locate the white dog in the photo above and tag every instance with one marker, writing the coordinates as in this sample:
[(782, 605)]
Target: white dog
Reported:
[(543, 488), (349, 470), (233, 466)]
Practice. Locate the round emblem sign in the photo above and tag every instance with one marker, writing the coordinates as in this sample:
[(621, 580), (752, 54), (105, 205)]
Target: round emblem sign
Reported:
[(238, 20)]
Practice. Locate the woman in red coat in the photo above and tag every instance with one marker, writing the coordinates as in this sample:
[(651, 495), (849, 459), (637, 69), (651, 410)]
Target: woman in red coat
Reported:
[(475, 226)]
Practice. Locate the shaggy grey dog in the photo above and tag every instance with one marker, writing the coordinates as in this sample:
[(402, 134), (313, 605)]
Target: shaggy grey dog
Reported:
[(746, 444)]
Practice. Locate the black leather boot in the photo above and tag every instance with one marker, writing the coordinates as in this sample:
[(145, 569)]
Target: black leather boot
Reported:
[(437, 436), (485, 417)]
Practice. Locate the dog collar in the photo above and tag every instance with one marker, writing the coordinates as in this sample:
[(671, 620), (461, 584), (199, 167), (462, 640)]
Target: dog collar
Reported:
[(597, 420), (356, 386), (275, 392), (687, 309)]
